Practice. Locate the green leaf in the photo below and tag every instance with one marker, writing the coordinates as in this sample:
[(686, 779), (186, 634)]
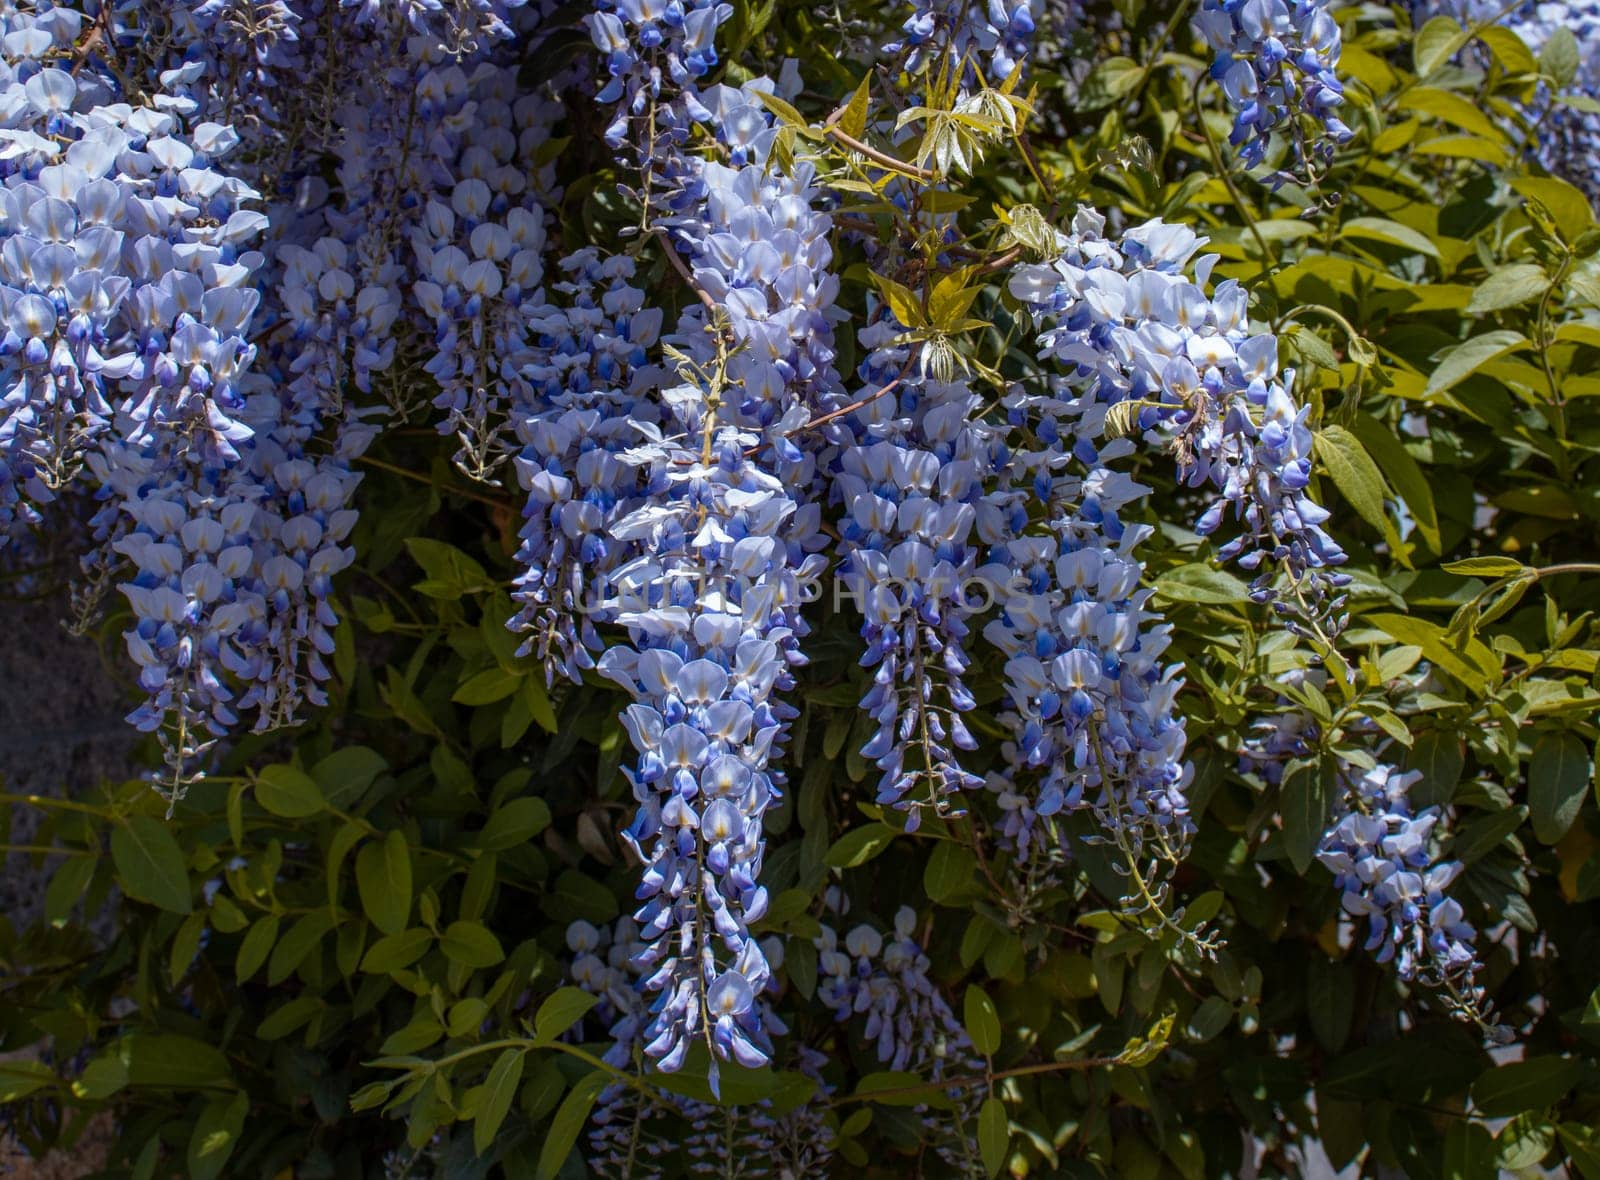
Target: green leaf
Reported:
[(1524, 1141), (514, 823), (395, 951), (1558, 779), (1510, 286), (1109, 81), (1530, 1085), (1305, 799), (1438, 756), (899, 1088), (284, 790), (488, 686), (1559, 58), (1436, 43), (570, 1118), (1383, 230), (150, 864), (297, 942), (1403, 473), (1468, 1151), (471, 944), (450, 572), (20, 1077), (1356, 476), (288, 1017), (982, 1021), (1201, 582), (564, 1008), (1210, 1018), (1467, 358), (255, 946), (994, 1134), (858, 846), (345, 774), (168, 1061), (499, 1088), (383, 877), (66, 886), (1583, 1147), (215, 1135), (951, 871)]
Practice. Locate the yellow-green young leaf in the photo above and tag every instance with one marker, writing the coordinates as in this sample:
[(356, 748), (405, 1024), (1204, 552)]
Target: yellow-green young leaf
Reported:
[(255, 946), (471, 944), (981, 1020), (1382, 230), (1468, 357), (949, 301), (854, 120), (1141, 1051), (902, 301), (284, 790), (1436, 43), (1452, 108), (1510, 50), (1357, 477), (1566, 205), (150, 865), (1471, 662), (1484, 567), (1558, 779), (570, 1119), (994, 1134), (383, 877), (564, 1008), (859, 846), (785, 112), (499, 1088), (216, 1133), (1511, 286)]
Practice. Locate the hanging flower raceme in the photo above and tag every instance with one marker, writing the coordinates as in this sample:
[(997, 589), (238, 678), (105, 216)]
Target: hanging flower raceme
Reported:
[(1146, 346), (1566, 135), (1275, 61), (588, 371), (909, 476), (1382, 858), (653, 54), (906, 1019), (638, 1132), (968, 36)]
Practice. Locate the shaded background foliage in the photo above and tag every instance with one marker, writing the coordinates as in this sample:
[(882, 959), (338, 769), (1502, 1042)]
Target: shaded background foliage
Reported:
[(345, 953)]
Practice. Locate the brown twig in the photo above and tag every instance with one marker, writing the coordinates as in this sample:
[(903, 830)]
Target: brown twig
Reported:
[(978, 1079), (831, 128), (854, 406), (684, 273)]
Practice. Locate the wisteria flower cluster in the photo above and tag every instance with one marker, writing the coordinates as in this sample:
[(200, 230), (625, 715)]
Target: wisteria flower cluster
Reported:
[(1275, 62), (701, 340)]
